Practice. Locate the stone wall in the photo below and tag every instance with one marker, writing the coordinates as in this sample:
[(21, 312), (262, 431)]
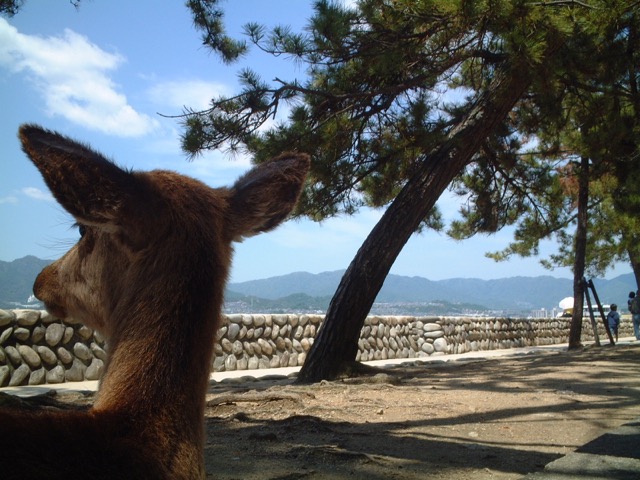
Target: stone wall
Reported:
[(36, 348)]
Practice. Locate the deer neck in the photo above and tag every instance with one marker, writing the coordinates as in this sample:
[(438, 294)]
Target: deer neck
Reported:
[(159, 363)]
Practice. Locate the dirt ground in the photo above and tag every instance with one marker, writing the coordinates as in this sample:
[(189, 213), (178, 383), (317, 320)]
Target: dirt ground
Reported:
[(472, 418)]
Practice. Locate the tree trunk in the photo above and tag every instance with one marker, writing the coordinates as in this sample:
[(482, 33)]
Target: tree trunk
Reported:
[(635, 266), (575, 330), (336, 344)]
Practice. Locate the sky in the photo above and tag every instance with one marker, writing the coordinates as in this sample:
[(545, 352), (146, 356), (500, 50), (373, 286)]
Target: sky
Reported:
[(109, 73)]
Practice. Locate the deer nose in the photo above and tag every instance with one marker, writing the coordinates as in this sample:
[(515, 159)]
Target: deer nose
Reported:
[(46, 289)]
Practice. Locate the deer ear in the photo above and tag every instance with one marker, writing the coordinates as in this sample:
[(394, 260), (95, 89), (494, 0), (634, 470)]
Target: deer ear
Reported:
[(263, 197), (86, 184)]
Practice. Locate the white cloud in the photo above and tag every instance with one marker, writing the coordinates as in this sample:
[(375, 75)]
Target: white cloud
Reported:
[(72, 75), (194, 94), (37, 194)]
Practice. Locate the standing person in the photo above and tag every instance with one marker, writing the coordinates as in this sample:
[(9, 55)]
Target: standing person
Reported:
[(634, 308), (613, 319), (632, 295)]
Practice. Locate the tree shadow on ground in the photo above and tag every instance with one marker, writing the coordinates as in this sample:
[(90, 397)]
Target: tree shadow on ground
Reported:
[(272, 437)]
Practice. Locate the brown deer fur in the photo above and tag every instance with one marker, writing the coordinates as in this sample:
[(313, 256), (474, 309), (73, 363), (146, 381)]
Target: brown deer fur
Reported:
[(149, 274)]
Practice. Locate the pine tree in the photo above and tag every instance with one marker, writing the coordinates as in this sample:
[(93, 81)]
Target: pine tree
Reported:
[(370, 113)]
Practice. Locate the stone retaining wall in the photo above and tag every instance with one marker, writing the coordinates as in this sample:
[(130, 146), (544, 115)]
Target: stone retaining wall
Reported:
[(36, 348)]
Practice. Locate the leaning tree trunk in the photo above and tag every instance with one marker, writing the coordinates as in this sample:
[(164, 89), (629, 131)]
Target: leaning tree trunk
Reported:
[(336, 344), (575, 329)]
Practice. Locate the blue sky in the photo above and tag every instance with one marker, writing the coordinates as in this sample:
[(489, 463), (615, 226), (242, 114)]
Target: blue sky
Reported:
[(103, 73)]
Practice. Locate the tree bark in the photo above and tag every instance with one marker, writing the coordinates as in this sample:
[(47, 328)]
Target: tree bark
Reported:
[(575, 329), (635, 265), (336, 344)]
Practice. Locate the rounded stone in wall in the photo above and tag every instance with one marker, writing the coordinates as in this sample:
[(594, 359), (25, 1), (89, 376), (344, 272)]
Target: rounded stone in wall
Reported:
[(253, 363), (5, 375), (94, 371), (242, 333), (263, 362), (280, 345), (20, 375), (27, 318), (222, 332), (440, 345), (428, 348), (6, 333), (265, 346), (46, 318), (13, 355), (21, 334), (284, 359), (54, 334), (247, 347), (293, 359), (258, 320), (46, 354), (82, 352), (99, 352), (242, 363), (75, 373), (226, 345), (274, 361), (237, 348), (297, 346), (3, 356), (6, 317), (55, 375), (301, 358), (275, 332), (98, 337), (30, 357), (436, 334), (68, 335), (38, 377), (218, 364), (230, 363), (37, 334), (85, 332), (64, 355)]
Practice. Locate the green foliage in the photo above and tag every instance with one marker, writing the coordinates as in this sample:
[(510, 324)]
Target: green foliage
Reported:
[(593, 110), (207, 17), (370, 109), (10, 7), (370, 106)]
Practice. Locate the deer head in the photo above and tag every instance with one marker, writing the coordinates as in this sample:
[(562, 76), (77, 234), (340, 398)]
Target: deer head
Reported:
[(149, 272)]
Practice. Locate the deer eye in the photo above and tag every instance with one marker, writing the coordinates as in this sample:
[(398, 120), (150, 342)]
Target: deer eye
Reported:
[(82, 230)]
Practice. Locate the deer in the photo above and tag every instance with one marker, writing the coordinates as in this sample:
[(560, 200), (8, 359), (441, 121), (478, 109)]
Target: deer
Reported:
[(148, 272)]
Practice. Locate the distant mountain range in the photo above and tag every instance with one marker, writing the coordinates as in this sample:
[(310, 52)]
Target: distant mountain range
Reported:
[(16, 282), (302, 291), (515, 294)]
